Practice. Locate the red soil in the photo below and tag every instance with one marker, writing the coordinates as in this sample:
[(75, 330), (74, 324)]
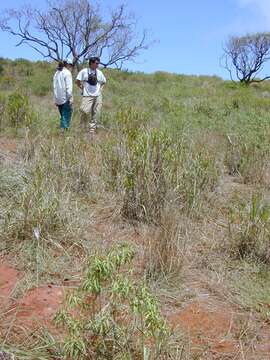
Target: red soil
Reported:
[(8, 145), (36, 308), (213, 326), (39, 305), (9, 278), (207, 325)]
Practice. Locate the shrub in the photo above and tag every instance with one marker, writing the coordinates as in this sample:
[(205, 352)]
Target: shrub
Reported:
[(111, 316)]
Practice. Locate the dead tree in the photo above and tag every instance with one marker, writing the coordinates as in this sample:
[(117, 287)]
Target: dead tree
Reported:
[(245, 57), (77, 29)]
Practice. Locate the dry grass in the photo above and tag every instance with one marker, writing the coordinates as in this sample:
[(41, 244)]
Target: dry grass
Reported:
[(163, 178)]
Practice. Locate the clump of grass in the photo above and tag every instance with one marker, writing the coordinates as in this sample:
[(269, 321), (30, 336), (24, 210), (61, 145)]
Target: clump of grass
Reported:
[(3, 101), (18, 111), (251, 286), (67, 159), (249, 229), (165, 250), (37, 206), (148, 168)]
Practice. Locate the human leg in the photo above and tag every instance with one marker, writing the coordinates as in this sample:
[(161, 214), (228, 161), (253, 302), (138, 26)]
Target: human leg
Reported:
[(86, 111), (66, 115), (60, 109), (96, 111)]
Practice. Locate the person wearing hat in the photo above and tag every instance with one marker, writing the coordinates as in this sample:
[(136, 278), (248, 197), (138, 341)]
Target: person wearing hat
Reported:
[(63, 86), (91, 81)]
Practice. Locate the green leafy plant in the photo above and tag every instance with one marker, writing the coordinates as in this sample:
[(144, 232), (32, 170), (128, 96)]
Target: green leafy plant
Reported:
[(111, 316)]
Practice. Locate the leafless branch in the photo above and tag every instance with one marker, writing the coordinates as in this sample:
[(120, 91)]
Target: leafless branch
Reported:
[(244, 57), (77, 28)]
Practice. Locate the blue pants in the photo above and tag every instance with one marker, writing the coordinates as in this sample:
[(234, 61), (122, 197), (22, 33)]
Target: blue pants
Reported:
[(65, 112)]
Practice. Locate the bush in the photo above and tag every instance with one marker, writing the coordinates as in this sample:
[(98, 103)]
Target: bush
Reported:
[(111, 316)]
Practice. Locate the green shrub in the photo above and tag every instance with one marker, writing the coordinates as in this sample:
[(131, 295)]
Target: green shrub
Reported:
[(111, 316)]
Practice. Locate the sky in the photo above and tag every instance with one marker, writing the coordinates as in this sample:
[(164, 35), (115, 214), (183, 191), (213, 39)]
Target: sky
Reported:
[(188, 34)]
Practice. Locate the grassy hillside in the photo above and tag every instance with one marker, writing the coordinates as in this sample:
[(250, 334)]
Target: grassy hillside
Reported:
[(160, 225)]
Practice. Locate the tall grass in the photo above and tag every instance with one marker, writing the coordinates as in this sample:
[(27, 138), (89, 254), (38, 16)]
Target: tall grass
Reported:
[(248, 230), (167, 160), (149, 169)]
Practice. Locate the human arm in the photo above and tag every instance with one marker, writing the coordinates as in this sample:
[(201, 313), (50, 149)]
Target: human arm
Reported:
[(79, 84), (79, 80)]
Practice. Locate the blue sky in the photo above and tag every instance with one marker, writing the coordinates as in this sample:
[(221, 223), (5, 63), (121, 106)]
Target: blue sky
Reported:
[(188, 33)]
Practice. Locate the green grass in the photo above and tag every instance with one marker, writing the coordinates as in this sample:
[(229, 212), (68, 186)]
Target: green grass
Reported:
[(179, 164)]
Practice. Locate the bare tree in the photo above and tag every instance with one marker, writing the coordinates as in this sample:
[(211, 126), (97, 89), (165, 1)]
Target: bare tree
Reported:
[(77, 28), (245, 56)]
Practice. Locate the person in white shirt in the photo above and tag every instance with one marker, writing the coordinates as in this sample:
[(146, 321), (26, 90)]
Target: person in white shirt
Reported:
[(63, 98), (91, 81)]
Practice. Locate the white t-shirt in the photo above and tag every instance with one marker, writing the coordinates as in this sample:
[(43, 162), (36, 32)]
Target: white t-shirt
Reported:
[(91, 90), (62, 86)]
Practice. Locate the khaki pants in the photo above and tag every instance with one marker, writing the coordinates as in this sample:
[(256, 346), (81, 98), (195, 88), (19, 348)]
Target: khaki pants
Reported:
[(90, 111)]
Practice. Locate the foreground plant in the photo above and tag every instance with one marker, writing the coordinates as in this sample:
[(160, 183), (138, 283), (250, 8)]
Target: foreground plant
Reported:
[(110, 316)]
